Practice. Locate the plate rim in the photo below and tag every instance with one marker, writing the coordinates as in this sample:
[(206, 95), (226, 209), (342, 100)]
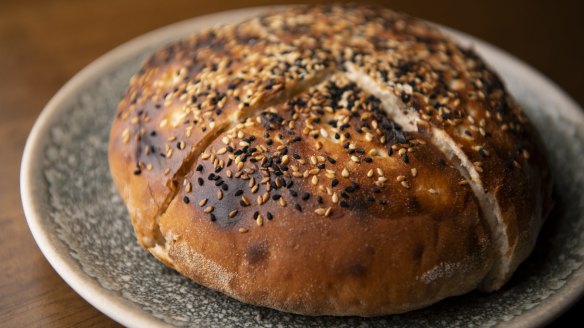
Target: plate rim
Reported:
[(123, 310)]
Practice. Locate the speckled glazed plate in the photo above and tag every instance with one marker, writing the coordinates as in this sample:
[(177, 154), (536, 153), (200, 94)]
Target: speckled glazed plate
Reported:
[(82, 227)]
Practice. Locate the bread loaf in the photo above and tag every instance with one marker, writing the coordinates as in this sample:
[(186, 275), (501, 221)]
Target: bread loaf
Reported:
[(329, 160)]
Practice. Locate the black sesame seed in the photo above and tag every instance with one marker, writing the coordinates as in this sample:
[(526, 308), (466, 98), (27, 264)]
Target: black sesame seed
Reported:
[(239, 192), (213, 217), (293, 193), (255, 215), (298, 207), (137, 172), (305, 196), (270, 216), (200, 181), (186, 200), (319, 200), (334, 183), (406, 159), (368, 159), (331, 160), (320, 166), (344, 204), (276, 196)]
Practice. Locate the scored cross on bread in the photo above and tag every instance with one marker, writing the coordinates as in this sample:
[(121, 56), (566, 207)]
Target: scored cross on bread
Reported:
[(342, 160)]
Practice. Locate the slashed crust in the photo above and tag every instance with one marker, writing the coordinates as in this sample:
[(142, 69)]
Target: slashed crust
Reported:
[(341, 160)]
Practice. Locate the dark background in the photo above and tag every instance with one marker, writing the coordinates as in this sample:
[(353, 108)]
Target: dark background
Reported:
[(44, 43)]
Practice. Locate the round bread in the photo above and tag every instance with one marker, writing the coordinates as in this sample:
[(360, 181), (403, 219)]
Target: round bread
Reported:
[(329, 160)]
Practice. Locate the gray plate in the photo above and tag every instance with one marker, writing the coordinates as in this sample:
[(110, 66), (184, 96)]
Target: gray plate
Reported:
[(81, 225)]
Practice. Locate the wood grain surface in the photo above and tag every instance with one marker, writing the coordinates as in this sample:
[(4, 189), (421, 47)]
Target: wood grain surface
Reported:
[(44, 43)]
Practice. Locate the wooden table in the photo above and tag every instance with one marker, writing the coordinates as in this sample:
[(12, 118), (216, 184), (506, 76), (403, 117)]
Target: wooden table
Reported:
[(44, 43)]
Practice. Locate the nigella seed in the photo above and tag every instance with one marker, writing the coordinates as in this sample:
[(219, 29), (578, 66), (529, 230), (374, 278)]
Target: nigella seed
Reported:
[(344, 204), (276, 197), (319, 200), (186, 200), (199, 168), (298, 207), (200, 181), (270, 216), (334, 183), (213, 217), (239, 192), (305, 196), (255, 215)]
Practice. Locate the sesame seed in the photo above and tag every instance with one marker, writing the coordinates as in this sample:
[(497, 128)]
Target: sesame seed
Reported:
[(328, 211), (320, 211), (243, 230), (233, 213), (345, 173), (209, 209), (259, 220), (314, 180), (203, 202), (414, 172)]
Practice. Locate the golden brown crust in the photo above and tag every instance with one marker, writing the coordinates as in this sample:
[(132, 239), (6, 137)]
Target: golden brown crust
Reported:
[(252, 162)]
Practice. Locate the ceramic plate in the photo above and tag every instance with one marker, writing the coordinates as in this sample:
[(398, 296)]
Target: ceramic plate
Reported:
[(81, 225)]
